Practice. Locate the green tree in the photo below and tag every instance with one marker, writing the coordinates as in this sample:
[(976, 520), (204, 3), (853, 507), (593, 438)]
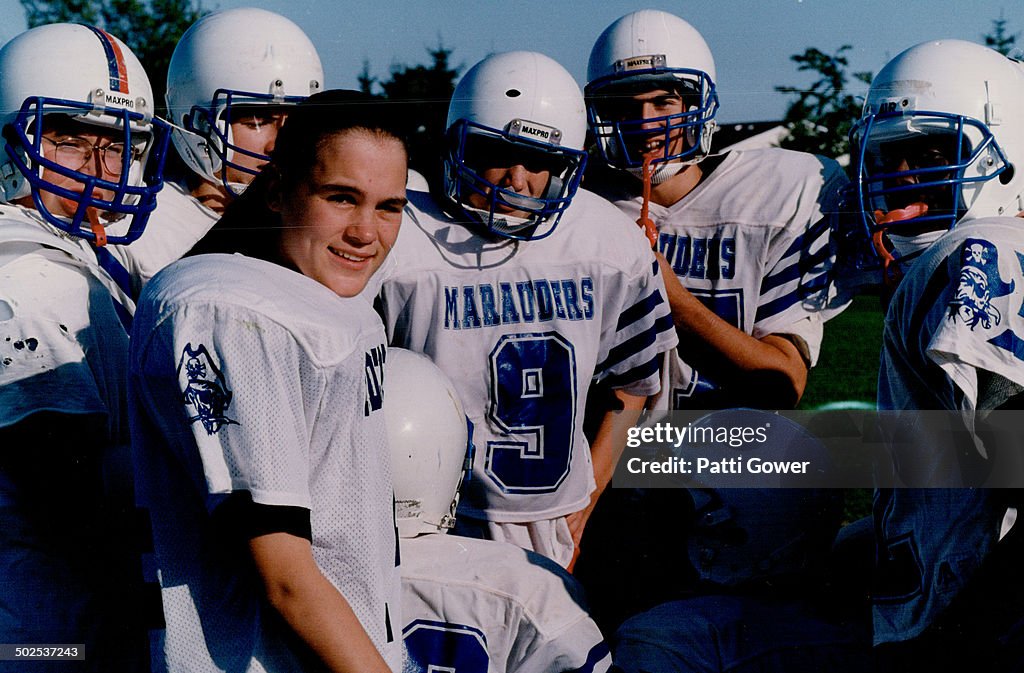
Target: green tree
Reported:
[(999, 39), (150, 28), (820, 118), (424, 92), (365, 79)]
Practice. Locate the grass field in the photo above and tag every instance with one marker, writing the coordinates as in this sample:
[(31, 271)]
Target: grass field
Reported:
[(847, 368)]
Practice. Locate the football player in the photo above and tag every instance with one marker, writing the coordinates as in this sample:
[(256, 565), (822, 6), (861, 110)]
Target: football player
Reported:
[(258, 432), (467, 604), (80, 168), (232, 78), (524, 290), (938, 173), (743, 240), (747, 266)]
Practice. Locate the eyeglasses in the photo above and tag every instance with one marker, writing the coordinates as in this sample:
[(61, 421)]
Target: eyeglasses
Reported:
[(74, 153)]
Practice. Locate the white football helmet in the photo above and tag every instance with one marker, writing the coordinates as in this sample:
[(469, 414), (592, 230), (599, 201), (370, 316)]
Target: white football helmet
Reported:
[(526, 104), (243, 56), (431, 447), (84, 73), (646, 50), (940, 141)]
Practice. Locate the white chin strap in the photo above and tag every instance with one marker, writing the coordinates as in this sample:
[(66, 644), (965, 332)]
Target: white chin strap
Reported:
[(662, 171), (239, 187), (906, 246), (499, 221)]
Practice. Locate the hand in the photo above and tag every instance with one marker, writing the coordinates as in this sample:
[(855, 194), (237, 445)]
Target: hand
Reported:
[(578, 520)]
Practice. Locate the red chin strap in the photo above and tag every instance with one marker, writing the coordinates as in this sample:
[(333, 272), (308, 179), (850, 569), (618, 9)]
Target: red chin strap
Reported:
[(98, 230), (645, 221), (891, 273)]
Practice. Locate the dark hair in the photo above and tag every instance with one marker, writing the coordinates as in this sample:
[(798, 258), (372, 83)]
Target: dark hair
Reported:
[(248, 225)]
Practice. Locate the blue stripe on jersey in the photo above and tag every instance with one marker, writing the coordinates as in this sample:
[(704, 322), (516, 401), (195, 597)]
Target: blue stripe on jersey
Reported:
[(115, 269), (786, 275), (636, 344), (639, 310), (635, 374), (596, 655), (776, 306), (120, 275), (820, 282), (814, 232), (795, 270)]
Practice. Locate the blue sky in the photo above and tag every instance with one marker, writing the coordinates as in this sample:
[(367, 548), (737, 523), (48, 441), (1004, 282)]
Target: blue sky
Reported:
[(752, 40)]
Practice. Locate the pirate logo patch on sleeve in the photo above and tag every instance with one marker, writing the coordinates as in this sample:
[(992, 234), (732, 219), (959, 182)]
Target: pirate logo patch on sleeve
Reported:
[(205, 388), (978, 285)]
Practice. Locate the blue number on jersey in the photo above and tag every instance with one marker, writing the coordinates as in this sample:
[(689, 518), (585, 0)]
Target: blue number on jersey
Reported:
[(441, 646), (533, 402), (727, 305)]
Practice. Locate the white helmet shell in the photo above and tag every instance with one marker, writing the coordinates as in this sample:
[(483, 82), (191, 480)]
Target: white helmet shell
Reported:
[(87, 74), (429, 440), (648, 33), (522, 85), (945, 89), (527, 99), (657, 47), (242, 56)]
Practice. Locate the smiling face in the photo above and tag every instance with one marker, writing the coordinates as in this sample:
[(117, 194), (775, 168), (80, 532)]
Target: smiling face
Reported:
[(652, 118), (653, 106), (340, 221)]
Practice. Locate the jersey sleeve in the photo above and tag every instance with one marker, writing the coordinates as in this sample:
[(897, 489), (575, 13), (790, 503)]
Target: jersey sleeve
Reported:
[(579, 648), (643, 331), (229, 385), (794, 291), (562, 637), (983, 329), (46, 329)]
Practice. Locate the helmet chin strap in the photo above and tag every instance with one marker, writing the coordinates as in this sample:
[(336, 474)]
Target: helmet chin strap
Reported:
[(505, 221), (98, 230), (906, 246), (662, 172), (645, 221), (911, 246)]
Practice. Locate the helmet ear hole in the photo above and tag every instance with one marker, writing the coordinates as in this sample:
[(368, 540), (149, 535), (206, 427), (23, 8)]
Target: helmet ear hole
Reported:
[(1007, 175)]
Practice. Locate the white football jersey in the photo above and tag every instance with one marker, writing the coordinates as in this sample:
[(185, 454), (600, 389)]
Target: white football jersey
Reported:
[(176, 225), (62, 318), (480, 606), (63, 349), (956, 312), (751, 241), (246, 376), (522, 328), (953, 340)]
